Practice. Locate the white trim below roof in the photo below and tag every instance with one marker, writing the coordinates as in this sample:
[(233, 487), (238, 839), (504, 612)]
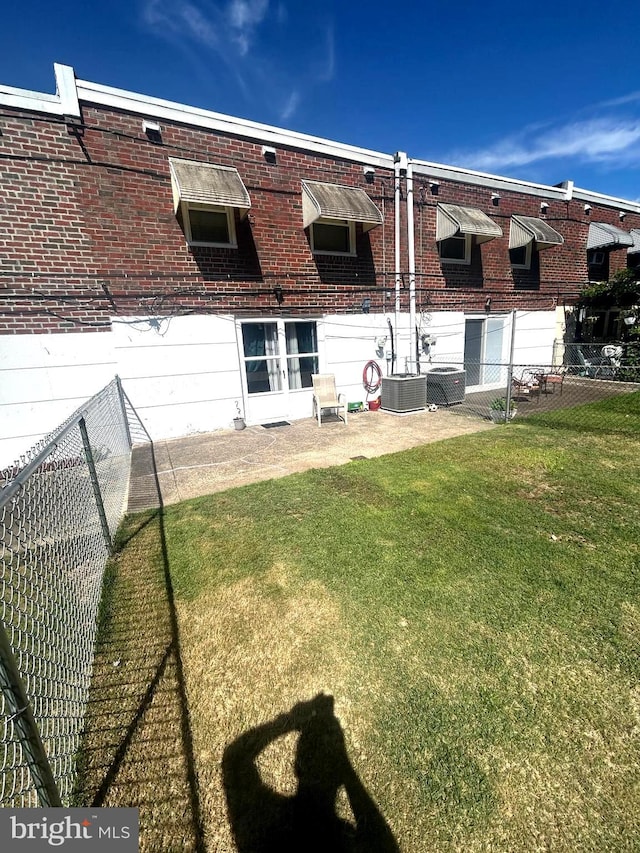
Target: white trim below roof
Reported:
[(169, 110), (63, 103), (606, 200), (23, 99), (484, 179)]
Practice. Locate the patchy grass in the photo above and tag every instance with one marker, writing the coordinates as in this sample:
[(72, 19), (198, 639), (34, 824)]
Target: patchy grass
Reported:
[(472, 606)]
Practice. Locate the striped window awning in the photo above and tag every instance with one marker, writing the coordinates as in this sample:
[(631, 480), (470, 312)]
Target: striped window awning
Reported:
[(635, 236), (605, 236), (333, 201), (453, 220), (531, 229), (204, 183)]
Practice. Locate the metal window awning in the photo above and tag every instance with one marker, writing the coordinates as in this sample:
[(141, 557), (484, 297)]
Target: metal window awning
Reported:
[(529, 229), (605, 236), (635, 236), (204, 183), (454, 220), (333, 201)]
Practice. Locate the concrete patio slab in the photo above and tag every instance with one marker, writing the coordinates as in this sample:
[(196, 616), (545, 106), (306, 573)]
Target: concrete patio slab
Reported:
[(212, 462)]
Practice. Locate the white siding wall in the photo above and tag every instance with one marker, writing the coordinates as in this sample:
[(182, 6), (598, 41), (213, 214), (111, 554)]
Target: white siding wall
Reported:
[(43, 379), (183, 378), (535, 333), (184, 375), (350, 342)]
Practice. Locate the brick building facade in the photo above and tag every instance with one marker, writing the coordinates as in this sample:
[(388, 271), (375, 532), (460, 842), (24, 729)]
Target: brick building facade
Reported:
[(120, 252)]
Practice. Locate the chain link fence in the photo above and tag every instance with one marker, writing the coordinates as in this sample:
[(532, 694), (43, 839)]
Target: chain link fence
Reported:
[(60, 506), (524, 390)]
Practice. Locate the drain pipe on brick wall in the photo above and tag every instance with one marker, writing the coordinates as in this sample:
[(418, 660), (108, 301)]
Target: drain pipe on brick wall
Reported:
[(400, 171), (411, 251)]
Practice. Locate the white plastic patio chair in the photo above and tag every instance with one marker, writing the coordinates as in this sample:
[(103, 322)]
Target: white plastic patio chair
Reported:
[(325, 396)]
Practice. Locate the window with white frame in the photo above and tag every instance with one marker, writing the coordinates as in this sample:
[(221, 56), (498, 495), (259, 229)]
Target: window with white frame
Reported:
[(333, 237), (455, 250), (520, 258), (209, 225)]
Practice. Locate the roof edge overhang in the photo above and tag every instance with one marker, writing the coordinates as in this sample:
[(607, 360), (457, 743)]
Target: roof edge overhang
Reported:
[(72, 92), (94, 93)]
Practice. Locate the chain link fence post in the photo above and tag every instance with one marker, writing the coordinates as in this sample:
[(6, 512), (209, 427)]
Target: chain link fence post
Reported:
[(95, 485), (26, 728)]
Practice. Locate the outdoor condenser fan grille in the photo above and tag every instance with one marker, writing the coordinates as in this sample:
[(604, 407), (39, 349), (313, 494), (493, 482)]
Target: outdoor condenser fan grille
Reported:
[(445, 385), (404, 393)]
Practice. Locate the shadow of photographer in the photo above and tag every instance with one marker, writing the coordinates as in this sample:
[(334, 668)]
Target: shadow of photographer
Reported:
[(264, 821)]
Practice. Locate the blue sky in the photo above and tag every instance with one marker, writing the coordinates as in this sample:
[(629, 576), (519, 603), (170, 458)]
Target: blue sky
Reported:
[(542, 92)]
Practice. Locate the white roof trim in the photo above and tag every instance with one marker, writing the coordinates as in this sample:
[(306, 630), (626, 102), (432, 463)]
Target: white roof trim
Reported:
[(607, 200), (66, 90), (484, 179), (72, 92), (23, 99), (171, 111)]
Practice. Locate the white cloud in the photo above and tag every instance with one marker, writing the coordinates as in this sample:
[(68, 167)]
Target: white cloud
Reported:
[(213, 26), (238, 34), (291, 105), (326, 74), (631, 98), (244, 17), (598, 140)]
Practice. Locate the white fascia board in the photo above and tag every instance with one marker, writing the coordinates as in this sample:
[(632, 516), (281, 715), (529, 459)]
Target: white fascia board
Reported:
[(66, 90), (171, 111), (484, 179), (23, 99), (606, 200)]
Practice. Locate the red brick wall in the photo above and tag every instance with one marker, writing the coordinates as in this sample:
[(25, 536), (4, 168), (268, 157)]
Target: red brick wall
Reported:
[(562, 270), (87, 228), (88, 231)]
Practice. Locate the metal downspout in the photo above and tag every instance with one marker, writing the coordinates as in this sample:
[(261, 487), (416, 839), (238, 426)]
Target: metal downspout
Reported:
[(411, 251), (397, 163)]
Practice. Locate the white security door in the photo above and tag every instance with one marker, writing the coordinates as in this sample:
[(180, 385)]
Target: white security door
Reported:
[(483, 352), (279, 357)]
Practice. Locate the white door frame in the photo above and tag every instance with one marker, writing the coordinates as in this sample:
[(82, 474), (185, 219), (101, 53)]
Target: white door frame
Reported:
[(286, 403), (501, 380)]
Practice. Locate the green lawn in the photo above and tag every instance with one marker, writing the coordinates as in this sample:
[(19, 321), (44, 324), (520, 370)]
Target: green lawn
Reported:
[(472, 607)]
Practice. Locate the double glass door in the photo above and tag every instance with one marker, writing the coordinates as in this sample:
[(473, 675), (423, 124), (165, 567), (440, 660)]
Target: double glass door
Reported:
[(279, 358)]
